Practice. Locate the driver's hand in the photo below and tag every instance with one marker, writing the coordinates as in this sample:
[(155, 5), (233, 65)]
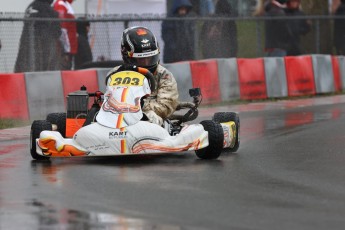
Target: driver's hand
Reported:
[(197, 100)]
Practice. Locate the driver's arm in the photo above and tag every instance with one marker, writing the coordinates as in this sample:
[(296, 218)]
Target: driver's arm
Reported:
[(164, 101)]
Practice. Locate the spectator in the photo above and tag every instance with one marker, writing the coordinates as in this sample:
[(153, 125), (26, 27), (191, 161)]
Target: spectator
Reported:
[(259, 9), (178, 35), (203, 7), (39, 41), (276, 30), (296, 27), (206, 7), (84, 54), (220, 37), (339, 29), (334, 6), (69, 32)]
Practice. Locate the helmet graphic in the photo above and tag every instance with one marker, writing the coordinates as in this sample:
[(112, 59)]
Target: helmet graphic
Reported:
[(139, 47)]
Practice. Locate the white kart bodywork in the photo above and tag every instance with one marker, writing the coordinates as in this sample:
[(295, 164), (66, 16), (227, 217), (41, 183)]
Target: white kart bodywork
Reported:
[(119, 129), (141, 138)]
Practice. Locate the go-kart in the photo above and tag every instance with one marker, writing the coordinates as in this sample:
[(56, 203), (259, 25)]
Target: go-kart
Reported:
[(114, 124)]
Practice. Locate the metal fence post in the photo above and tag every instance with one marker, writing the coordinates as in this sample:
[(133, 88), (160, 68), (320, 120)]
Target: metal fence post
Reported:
[(258, 40), (31, 45), (317, 36)]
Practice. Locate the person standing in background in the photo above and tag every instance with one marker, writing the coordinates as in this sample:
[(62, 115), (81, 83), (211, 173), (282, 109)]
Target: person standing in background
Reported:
[(339, 30), (276, 30), (203, 7), (39, 43), (296, 27), (334, 4), (84, 54), (178, 35), (219, 38), (69, 32)]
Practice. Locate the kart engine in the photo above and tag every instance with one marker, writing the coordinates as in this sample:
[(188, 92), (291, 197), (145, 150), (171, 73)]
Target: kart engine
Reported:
[(77, 104), (77, 110)]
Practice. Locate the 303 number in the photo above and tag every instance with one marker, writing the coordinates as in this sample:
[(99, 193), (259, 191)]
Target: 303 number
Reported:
[(126, 81)]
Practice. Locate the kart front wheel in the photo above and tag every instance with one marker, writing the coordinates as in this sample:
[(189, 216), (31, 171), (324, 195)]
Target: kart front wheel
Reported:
[(215, 139), (58, 119), (36, 128), (223, 117)]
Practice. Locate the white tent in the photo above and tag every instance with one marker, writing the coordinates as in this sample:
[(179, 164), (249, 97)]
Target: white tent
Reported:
[(106, 36)]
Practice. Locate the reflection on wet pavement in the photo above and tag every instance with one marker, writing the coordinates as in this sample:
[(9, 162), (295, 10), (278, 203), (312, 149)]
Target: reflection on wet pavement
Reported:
[(255, 127), (37, 215), (29, 198)]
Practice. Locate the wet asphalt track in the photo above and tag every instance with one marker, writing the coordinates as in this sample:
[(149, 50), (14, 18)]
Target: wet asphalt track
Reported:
[(288, 174)]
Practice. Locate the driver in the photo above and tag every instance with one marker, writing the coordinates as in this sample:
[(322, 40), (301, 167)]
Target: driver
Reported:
[(139, 47)]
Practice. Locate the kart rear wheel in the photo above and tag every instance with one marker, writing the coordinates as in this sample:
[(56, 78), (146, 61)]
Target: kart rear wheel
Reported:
[(222, 117), (36, 128), (58, 119), (215, 139)]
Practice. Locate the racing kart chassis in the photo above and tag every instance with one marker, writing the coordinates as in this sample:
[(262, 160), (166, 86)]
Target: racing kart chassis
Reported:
[(77, 132)]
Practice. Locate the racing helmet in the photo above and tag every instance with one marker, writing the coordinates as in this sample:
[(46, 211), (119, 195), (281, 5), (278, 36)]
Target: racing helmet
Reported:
[(139, 47)]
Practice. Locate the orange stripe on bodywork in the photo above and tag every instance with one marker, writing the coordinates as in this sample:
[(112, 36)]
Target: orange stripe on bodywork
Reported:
[(123, 146), (123, 99), (48, 148), (123, 142), (119, 121), (124, 94)]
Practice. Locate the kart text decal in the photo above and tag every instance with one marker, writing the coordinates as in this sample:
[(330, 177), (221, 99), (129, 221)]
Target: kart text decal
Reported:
[(117, 135), (127, 78)]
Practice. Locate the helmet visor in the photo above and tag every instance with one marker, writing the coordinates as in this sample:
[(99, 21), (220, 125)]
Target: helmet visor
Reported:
[(145, 59)]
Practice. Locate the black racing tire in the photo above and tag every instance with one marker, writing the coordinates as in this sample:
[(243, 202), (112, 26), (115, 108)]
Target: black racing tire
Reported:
[(36, 128), (58, 119), (215, 139), (222, 117)]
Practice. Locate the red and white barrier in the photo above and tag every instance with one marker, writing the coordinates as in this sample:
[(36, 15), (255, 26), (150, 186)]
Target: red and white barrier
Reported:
[(205, 76), (183, 76), (34, 95), (251, 73), (336, 74), (13, 98), (44, 92)]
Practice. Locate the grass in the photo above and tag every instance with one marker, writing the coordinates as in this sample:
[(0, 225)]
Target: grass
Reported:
[(250, 37), (12, 123)]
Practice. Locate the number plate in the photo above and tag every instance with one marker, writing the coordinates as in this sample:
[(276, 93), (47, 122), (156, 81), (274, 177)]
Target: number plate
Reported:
[(127, 78)]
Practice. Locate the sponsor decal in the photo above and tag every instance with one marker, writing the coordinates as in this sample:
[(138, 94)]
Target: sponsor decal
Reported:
[(141, 32), (97, 147), (117, 134), (147, 54), (146, 45)]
